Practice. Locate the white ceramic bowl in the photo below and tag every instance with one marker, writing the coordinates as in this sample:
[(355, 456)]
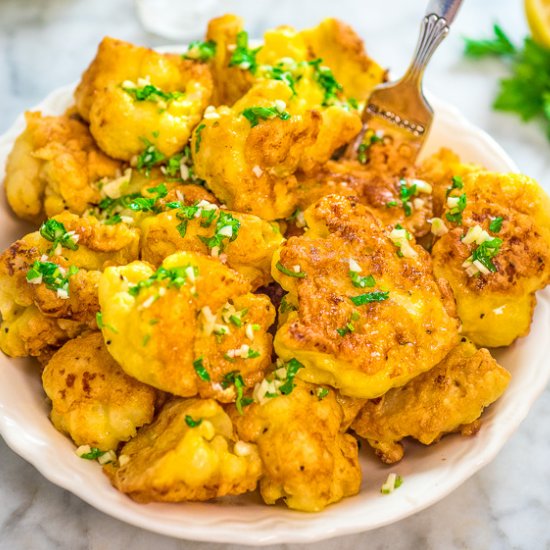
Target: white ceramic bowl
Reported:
[(429, 473)]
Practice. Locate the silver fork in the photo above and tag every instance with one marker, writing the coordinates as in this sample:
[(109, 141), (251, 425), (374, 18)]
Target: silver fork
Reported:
[(400, 108)]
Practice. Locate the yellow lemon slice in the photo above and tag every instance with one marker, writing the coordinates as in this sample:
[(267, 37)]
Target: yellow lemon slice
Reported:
[(538, 17)]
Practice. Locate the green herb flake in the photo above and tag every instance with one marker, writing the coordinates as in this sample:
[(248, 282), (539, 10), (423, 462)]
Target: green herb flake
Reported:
[(235, 378), (292, 368), (255, 114), (485, 253), (191, 422), (149, 157), (201, 370), (326, 79), (200, 51), (151, 93), (226, 230), (496, 225), (322, 393), (243, 56), (369, 297), (361, 282), (499, 45), (406, 192), (176, 277), (286, 306), (93, 454), (52, 275), (289, 272), (456, 183), (198, 136), (55, 232), (455, 214)]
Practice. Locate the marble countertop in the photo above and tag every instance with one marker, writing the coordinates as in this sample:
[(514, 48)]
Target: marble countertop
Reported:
[(44, 45)]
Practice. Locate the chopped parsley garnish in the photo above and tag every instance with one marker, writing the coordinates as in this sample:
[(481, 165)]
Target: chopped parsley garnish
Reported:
[(369, 297), (176, 277), (235, 378), (349, 327), (151, 93), (322, 393), (296, 274), (486, 251), (292, 368), (456, 183), (145, 340), (52, 275), (496, 225), (201, 370), (500, 45), (361, 282), (454, 215), (325, 78), (390, 204), (227, 229), (93, 454), (406, 192), (198, 136), (200, 51), (172, 168), (280, 72), (244, 57), (148, 204), (55, 232), (255, 114), (191, 422), (148, 157)]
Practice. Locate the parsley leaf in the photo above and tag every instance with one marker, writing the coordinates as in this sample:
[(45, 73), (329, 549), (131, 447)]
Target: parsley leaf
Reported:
[(255, 114), (198, 136), (201, 370), (93, 454), (486, 251), (290, 273), (455, 213), (369, 297), (52, 275), (292, 368), (326, 79), (176, 277), (361, 282), (496, 225), (191, 422), (149, 157), (200, 51), (500, 45), (55, 232), (244, 57), (235, 378), (151, 93)]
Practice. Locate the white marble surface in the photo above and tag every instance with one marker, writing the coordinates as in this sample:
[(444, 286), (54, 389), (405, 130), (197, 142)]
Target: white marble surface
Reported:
[(47, 43)]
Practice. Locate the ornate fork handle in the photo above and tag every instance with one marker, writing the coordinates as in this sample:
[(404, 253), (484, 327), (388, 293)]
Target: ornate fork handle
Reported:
[(434, 28)]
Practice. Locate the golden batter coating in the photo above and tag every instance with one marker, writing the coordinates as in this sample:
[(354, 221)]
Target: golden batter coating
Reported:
[(191, 227), (135, 97), (225, 325), (54, 166), (448, 398), (93, 400), (188, 453), (308, 462), (386, 182), (365, 319), (496, 296)]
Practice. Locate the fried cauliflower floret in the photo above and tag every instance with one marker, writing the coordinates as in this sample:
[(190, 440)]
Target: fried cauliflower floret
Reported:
[(248, 249), (498, 256), (230, 82), (93, 400), (448, 398), (188, 453), (439, 170), (307, 461), (186, 327), (365, 319), (249, 162), (53, 166), (386, 182), (134, 96), (57, 311)]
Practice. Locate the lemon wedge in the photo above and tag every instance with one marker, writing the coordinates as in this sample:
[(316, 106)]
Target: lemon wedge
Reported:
[(538, 17)]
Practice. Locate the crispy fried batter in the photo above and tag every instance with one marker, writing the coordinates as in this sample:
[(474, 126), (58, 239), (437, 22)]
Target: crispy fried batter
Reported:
[(173, 461), (307, 461), (496, 308), (448, 398), (53, 167), (122, 123), (145, 335), (391, 340), (93, 400), (249, 254)]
